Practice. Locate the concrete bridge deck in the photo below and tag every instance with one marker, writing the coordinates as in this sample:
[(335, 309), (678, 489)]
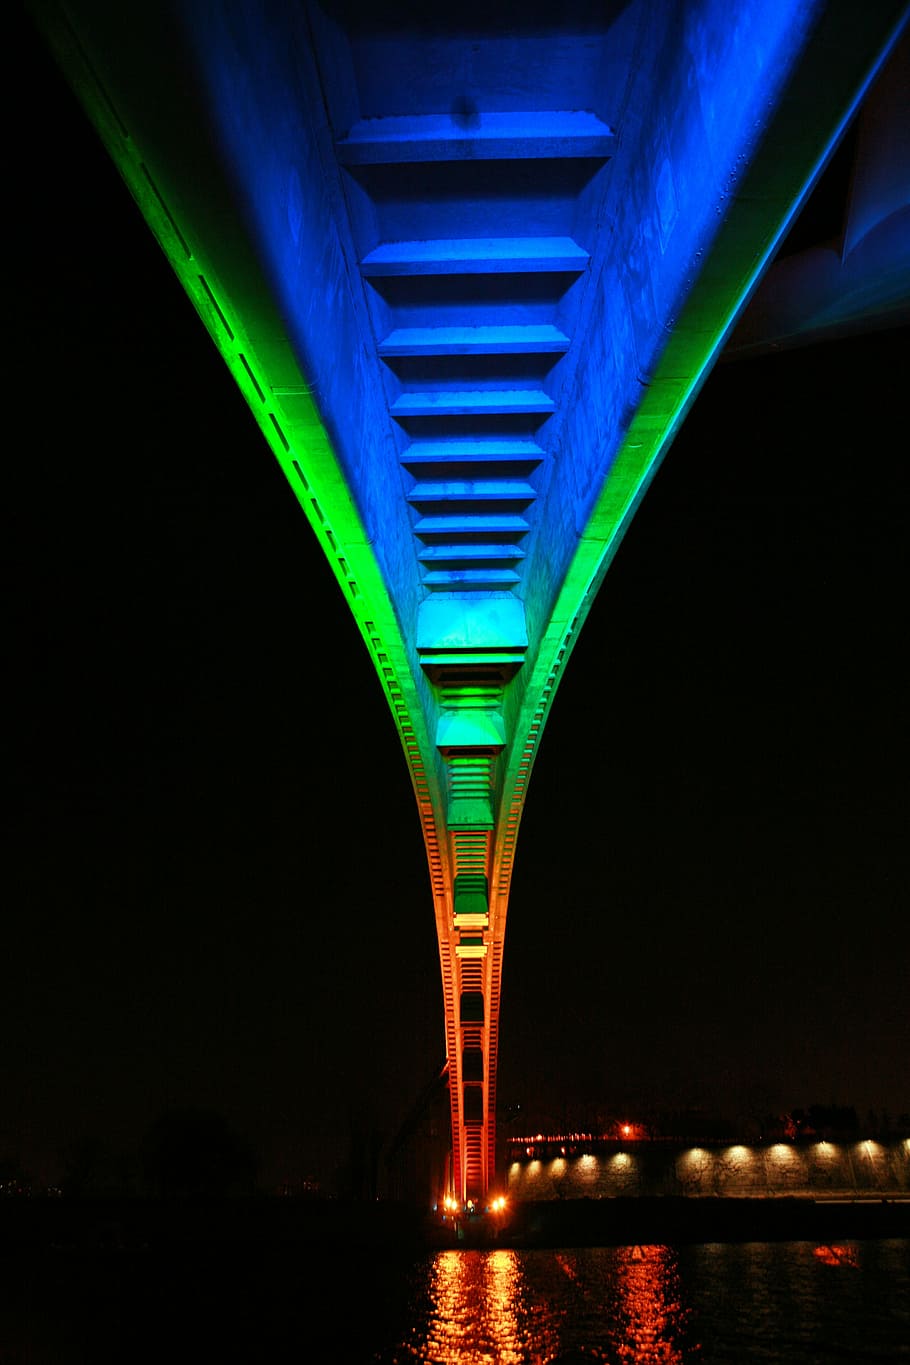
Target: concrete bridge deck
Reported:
[(469, 272)]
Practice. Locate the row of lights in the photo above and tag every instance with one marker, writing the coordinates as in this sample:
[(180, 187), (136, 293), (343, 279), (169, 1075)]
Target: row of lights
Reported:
[(777, 1149), (569, 1146)]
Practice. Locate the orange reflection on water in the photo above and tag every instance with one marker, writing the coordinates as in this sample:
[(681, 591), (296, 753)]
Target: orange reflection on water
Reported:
[(479, 1310), (650, 1307), (837, 1255)]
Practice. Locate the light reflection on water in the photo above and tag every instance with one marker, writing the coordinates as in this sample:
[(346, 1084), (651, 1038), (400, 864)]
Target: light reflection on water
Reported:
[(650, 1309), (755, 1303), (715, 1304), (619, 1304), (481, 1310)]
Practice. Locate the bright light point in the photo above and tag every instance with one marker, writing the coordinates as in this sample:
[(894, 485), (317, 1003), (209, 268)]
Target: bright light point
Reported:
[(626, 1129)]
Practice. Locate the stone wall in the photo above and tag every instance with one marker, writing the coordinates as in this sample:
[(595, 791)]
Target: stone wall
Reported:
[(818, 1170)]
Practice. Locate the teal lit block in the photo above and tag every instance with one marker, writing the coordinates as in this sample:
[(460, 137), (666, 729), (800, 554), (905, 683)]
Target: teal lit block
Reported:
[(470, 812), (470, 729), (471, 894), (471, 624)]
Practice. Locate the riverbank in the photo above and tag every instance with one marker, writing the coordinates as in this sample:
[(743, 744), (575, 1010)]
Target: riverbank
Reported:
[(133, 1225), (678, 1221)]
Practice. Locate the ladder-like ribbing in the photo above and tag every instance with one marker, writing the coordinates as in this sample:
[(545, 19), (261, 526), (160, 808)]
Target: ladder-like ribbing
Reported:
[(542, 339), (476, 256), (473, 332), (502, 552), (477, 456), (473, 403), (408, 139), (454, 493), (469, 523), (491, 579), (459, 376)]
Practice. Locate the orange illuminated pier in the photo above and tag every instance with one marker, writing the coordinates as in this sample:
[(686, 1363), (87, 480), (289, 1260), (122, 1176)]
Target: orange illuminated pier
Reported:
[(469, 268)]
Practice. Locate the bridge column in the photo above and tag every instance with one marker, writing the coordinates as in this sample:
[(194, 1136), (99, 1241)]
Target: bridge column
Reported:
[(470, 651), (469, 765)]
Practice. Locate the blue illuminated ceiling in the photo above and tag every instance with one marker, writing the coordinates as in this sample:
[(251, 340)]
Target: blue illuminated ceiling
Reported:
[(481, 235), (470, 269), (489, 254)]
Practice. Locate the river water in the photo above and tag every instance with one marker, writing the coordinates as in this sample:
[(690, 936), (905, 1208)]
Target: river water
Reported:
[(656, 1305), (791, 1303)]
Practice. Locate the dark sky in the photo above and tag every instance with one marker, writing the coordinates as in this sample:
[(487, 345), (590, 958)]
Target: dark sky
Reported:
[(217, 889)]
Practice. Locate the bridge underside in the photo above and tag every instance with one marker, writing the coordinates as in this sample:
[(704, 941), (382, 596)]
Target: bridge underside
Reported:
[(469, 270)]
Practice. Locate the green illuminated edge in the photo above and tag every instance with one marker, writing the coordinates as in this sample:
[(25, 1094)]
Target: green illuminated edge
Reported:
[(299, 442), (767, 202), (788, 163)]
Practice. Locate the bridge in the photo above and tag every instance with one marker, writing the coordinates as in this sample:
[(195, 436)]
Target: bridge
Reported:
[(469, 270)]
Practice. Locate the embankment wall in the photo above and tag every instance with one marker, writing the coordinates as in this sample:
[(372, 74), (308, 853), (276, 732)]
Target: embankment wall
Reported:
[(832, 1170)]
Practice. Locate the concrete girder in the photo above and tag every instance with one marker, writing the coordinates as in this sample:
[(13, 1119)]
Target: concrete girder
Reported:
[(495, 260)]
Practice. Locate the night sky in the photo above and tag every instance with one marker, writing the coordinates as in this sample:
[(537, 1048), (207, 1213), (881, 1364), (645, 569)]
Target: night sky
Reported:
[(218, 894)]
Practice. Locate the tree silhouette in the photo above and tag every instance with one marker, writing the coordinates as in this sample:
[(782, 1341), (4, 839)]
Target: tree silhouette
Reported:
[(195, 1154)]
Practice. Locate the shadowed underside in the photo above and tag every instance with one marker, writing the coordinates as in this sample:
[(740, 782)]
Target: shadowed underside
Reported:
[(469, 271)]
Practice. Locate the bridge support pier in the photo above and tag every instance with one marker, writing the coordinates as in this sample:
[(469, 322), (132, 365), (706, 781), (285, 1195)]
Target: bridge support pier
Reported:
[(470, 738), (469, 275)]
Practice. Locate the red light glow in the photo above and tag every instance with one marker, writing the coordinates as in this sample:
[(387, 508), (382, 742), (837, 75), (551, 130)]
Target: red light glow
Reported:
[(837, 1255)]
